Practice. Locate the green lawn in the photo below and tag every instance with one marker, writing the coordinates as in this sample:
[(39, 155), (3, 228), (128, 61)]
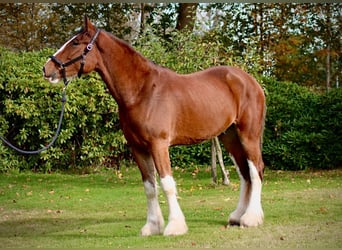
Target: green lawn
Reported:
[(108, 208)]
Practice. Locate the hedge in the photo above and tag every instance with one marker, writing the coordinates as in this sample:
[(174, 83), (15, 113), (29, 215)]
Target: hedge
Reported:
[(30, 107), (303, 127)]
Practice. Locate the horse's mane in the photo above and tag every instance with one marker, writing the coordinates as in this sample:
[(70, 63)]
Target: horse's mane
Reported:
[(128, 47), (125, 45)]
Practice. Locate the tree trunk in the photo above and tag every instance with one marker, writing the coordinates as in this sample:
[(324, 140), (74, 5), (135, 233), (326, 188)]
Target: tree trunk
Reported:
[(213, 162), (142, 17), (328, 63), (217, 151), (186, 16)]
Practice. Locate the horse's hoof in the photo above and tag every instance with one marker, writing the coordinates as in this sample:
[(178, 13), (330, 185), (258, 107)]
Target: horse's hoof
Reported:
[(251, 219), (176, 228), (234, 218), (151, 229), (232, 222)]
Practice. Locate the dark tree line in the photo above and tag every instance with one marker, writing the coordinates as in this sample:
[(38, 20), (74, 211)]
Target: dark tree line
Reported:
[(294, 42)]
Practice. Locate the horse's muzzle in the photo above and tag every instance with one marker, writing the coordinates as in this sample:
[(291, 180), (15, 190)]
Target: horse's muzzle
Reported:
[(50, 72), (51, 77)]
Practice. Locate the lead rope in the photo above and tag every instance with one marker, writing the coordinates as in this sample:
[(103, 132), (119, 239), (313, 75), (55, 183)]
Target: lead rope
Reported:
[(29, 152)]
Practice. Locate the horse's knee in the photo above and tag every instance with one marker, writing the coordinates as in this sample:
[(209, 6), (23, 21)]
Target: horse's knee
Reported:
[(150, 189), (168, 185)]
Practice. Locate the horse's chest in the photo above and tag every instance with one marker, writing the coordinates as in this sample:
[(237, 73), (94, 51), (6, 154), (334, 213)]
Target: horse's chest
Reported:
[(140, 129)]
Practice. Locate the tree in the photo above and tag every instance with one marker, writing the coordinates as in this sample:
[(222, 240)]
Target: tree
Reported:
[(291, 41), (32, 26), (186, 16), (24, 29), (165, 18), (327, 31), (294, 42), (113, 17)]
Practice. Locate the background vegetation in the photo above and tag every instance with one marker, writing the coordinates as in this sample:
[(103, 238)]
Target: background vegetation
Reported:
[(303, 127), (296, 57), (292, 41)]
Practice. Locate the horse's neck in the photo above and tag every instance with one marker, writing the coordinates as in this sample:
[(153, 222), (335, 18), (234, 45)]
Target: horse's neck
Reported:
[(123, 70)]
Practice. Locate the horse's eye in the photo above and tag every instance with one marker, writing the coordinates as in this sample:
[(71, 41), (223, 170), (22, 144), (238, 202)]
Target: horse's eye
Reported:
[(75, 43)]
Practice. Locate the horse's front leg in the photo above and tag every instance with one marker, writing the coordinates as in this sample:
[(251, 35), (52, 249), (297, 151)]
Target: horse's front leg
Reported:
[(155, 221), (176, 224)]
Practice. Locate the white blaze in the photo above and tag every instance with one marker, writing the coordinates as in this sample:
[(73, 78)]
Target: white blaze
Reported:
[(64, 45)]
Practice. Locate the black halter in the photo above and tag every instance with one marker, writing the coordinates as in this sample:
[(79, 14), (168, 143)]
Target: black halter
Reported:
[(81, 57)]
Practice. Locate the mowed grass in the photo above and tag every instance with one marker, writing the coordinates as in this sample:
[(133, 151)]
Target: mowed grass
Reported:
[(108, 209)]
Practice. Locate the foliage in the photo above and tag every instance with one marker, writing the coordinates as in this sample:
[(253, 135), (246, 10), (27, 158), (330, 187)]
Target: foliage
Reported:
[(186, 52), (294, 41), (303, 128), (29, 114), (297, 42)]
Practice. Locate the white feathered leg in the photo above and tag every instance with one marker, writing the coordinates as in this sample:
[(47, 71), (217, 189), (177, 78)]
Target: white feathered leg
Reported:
[(254, 215), (155, 220), (176, 224), (234, 217)]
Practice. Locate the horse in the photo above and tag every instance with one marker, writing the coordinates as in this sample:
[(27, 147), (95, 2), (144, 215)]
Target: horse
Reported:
[(159, 108)]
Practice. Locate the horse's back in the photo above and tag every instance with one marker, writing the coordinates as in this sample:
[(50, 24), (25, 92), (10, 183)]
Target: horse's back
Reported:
[(232, 77), (227, 85)]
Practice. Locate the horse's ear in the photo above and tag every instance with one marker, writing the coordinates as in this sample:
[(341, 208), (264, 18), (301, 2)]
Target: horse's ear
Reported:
[(87, 24)]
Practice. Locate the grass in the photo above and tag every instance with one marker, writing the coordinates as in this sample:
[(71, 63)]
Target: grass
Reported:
[(108, 208)]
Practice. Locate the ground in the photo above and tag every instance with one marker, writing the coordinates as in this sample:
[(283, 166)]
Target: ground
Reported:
[(108, 208)]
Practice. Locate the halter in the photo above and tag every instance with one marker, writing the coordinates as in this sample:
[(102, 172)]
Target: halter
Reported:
[(72, 61)]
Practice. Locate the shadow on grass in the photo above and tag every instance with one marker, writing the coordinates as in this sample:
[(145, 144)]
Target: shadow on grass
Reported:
[(71, 227)]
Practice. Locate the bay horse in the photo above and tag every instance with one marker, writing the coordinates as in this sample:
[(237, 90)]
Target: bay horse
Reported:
[(159, 108)]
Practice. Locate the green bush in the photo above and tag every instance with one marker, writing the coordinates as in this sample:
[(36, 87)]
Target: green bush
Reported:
[(303, 128), (30, 108)]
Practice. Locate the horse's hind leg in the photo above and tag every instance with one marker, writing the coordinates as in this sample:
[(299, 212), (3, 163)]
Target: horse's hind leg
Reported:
[(248, 211), (233, 146), (251, 139), (155, 220)]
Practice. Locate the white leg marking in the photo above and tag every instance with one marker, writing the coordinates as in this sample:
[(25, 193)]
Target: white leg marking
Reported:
[(155, 220), (234, 217), (176, 224), (254, 215)]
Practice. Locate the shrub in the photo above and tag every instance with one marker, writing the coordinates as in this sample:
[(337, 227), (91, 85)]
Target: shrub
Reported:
[(30, 109), (303, 128)]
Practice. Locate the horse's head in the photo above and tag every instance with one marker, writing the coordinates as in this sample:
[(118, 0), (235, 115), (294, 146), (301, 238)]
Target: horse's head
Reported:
[(75, 57)]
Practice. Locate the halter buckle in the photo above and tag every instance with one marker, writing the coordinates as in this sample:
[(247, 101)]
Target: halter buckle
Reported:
[(89, 47)]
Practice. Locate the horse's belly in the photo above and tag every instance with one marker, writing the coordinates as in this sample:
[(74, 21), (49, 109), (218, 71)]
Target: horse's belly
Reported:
[(202, 122)]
